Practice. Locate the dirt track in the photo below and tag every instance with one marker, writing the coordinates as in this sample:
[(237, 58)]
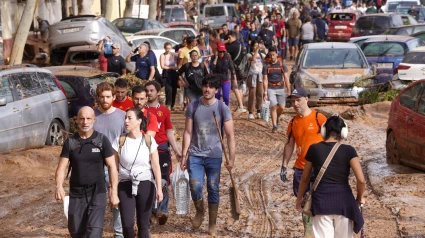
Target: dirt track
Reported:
[(394, 197)]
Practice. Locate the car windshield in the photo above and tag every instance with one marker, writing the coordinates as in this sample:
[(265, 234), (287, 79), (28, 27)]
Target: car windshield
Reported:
[(373, 22), (332, 58), (392, 6), (384, 49), (84, 57), (414, 58), (341, 16), (214, 11)]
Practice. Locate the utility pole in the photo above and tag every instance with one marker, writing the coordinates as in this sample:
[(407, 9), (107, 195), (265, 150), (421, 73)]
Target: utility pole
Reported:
[(74, 7), (7, 33), (128, 12)]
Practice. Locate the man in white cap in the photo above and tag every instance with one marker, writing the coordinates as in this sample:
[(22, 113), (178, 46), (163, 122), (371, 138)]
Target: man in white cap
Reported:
[(116, 63)]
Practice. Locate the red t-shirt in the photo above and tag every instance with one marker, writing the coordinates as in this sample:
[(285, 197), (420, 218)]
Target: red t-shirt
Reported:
[(278, 27), (243, 23), (163, 117), (103, 63), (127, 104), (153, 122)]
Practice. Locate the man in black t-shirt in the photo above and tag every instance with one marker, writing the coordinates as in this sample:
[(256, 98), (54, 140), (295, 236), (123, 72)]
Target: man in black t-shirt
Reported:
[(116, 63), (268, 36), (87, 151)]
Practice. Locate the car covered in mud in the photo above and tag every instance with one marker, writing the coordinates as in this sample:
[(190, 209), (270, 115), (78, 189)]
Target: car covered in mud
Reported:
[(406, 127), (330, 71), (83, 55)]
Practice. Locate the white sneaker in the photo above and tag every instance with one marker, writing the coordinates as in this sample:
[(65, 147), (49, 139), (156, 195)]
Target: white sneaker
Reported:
[(251, 116), (258, 115)]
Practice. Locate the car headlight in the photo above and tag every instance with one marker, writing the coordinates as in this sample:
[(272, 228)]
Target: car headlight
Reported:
[(306, 83)]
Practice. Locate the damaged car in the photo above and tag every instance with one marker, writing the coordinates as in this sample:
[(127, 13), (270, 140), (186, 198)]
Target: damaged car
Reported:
[(332, 73)]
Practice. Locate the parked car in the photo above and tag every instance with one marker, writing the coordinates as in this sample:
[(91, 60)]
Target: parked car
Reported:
[(328, 70), (341, 23), (404, 30), (156, 42), (174, 13), (412, 67), (218, 14), (387, 52), (83, 30), (391, 5), (33, 108), (85, 55), (80, 84), (403, 9), (406, 127), (180, 24), (361, 39), (174, 34), (133, 25), (376, 24), (420, 35)]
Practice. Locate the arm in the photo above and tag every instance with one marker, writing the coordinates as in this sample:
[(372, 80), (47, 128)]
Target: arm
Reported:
[(152, 73), (187, 137), (275, 40), (128, 59), (361, 183), (287, 151), (305, 178), (172, 141), (113, 181), (287, 84), (265, 86), (100, 47), (123, 67), (230, 135), (180, 62), (157, 174), (59, 177)]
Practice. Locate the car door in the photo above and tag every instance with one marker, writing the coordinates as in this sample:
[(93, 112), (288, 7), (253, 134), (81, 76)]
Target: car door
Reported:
[(10, 116), (416, 129), (36, 108)]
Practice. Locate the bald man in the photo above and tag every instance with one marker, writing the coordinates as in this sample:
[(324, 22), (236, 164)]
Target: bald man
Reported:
[(87, 151)]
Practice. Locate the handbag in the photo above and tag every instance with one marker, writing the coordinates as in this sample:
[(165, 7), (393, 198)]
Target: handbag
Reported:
[(307, 200)]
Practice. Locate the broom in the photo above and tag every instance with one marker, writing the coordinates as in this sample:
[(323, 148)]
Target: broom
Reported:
[(234, 197)]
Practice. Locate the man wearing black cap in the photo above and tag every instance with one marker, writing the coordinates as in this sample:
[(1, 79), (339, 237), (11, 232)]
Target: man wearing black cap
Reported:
[(116, 63), (269, 37), (303, 131), (275, 81)]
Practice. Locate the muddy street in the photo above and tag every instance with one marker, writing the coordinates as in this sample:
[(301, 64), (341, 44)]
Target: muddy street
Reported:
[(394, 198)]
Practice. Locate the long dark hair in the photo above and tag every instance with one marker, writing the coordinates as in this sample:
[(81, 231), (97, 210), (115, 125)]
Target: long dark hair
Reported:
[(139, 115)]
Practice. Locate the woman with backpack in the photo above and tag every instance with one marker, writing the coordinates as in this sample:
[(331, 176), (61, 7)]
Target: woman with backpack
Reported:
[(194, 73), (137, 157), (255, 80), (221, 63)]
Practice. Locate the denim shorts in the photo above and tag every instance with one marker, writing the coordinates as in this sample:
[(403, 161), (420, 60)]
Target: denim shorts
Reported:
[(293, 41)]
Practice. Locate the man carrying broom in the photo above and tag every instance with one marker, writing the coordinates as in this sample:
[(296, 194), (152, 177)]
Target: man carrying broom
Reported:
[(202, 144)]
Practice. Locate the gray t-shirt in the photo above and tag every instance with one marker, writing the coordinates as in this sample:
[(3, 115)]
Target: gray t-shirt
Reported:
[(307, 31), (205, 140), (111, 125)]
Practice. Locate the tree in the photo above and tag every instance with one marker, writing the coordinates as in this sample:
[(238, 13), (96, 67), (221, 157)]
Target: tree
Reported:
[(128, 12), (7, 33), (108, 9), (22, 32), (152, 9)]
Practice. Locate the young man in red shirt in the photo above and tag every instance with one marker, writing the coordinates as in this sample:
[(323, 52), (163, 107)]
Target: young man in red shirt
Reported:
[(279, 26), (164, 138), (122, 101), (138, 93)]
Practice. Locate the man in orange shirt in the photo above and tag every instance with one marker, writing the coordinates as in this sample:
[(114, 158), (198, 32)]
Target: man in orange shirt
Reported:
[(303, 131), (122, 101)]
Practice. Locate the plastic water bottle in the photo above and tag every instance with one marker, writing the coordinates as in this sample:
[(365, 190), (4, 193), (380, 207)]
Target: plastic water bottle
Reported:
[(243, 88), (265, 111), (107, 46), (182, 196)]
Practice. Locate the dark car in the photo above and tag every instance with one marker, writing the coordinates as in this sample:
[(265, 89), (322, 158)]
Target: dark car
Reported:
[(174, 13), (80, 84), (386, 53), (405, 30), (133, 25), (406, 127), (376, 24)]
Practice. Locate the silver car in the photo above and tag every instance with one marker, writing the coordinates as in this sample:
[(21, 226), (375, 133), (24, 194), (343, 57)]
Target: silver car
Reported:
[(33, 108), (174, 34)]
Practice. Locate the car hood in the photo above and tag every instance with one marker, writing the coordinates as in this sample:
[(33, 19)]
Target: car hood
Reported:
[(326, 76)]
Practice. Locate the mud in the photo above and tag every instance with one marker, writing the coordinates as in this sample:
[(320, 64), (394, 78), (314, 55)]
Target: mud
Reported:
[(394, 195), (333, 73)]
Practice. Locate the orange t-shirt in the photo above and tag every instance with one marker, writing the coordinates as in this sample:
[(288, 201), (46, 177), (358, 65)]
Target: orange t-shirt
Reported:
[(127, 104), (305, 132)]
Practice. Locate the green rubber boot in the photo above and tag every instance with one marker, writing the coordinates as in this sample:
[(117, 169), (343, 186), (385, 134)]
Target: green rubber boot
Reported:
[(308, 226), (199, 216)]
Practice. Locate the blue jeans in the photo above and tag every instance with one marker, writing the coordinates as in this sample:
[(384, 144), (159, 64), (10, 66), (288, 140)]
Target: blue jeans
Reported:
[(198, 167), (116, 217), (163, 205), (297, 178)]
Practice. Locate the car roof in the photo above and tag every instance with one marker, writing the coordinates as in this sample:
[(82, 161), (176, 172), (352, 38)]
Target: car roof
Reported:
[(391, 38), (185, 23), (418, 49), (160, 30), (218, 5), (399, 27), (345, 11), (331, 45), (381, 15), (372, 36), (21, 68), (83, 48), (78, 18)]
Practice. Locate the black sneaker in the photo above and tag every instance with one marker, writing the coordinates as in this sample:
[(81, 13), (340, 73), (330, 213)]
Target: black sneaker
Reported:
[(274, 129), (162, 218)]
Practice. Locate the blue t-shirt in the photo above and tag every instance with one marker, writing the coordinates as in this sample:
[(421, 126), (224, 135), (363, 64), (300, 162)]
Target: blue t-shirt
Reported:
[(143, 65)]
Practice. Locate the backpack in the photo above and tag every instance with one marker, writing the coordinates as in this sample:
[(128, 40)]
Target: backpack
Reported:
[(220, 112), (194, 79), (292, 122), (74, 144), (268, 41), (123, 137), (241, 68)]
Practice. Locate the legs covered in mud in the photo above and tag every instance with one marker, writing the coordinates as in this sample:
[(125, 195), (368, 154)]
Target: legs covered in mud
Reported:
[(198, 167), (308, 226)]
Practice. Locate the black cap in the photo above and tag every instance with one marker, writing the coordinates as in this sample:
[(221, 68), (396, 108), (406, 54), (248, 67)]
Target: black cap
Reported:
[(265, 24), (299, 92), (272, 48)]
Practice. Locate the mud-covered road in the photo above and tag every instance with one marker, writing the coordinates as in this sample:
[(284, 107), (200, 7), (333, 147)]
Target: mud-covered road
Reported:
[(395, 195)]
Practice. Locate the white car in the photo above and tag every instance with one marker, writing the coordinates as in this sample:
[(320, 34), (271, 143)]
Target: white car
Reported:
[(156, 42), (413, 65)]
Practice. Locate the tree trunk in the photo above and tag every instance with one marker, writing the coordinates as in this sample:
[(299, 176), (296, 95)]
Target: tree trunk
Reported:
[(7, 34), (152, 9), (22, 33), (108, 9), (128, 12), (84, 7)]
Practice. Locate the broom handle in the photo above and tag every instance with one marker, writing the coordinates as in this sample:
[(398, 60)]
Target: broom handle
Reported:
[(222, 143)]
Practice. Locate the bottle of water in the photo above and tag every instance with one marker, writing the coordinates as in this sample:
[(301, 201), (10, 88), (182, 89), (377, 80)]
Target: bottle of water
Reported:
[(182, 196), (107, 46), (244, 90), (265, 111)]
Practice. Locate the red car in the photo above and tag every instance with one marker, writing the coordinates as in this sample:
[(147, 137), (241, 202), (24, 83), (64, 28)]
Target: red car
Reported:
[(341, 24), (406, 127)]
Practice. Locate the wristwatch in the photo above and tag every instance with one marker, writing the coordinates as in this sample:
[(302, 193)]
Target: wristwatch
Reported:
[(265, 93)]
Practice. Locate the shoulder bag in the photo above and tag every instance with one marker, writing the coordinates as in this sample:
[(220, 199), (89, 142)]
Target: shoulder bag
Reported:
[(307, 198)]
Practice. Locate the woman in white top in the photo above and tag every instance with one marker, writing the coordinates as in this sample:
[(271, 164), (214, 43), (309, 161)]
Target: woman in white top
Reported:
[(168, 62), (255, 79), (136, 161)]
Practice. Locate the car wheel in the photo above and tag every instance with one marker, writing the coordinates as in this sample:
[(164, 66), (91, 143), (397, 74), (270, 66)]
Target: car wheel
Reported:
[(55, 135), (393, 155)]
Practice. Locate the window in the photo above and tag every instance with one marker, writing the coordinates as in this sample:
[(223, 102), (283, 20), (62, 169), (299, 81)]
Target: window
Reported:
[(178, 14), (414, 58), (70, 92), (27, 85), (414, 44), (84, 57), (409, 97), (341, 17), (214, 11), (5, 89), (373, 22), (119, 23), (333, 58), (159, 42), (169, 35), (48, 82), (384, 49), (393, 6)]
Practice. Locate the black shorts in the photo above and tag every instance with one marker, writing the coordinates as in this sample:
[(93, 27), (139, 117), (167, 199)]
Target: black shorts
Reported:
[(164, 163)]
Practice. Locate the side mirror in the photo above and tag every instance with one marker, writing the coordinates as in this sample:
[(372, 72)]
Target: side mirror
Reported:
[(3, 101), (130, 44)]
